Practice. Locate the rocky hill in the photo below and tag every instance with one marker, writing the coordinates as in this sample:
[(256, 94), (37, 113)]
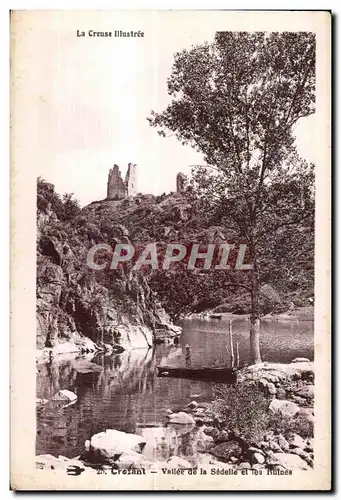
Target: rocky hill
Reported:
[(174, 218), (126, 307), (81, 309)]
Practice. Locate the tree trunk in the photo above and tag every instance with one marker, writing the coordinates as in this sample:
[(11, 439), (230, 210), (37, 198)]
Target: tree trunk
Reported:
[(255, 320), (231, 343)]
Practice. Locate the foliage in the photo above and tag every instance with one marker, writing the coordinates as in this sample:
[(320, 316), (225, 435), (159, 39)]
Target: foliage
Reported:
[(243, 409), (236, 101), (65, 235), (284, 425), (65, 208)]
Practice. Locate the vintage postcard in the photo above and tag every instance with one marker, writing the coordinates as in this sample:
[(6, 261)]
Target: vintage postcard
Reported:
[(170, 280)]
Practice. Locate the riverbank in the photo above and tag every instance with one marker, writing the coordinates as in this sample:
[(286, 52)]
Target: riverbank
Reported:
[(265, 422), (297, 314)]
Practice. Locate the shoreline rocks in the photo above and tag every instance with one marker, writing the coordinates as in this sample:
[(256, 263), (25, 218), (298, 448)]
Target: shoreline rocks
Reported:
[(208, 441), (111, 444), (65, 396)]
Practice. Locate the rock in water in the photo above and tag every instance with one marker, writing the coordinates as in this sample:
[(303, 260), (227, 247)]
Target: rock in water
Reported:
[(192, 405), (65, 396), (132, 460), (111, 443), (181, 418), (85, 366)]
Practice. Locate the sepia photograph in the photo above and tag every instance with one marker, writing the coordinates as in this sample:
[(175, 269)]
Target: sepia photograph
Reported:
[(176, 174)]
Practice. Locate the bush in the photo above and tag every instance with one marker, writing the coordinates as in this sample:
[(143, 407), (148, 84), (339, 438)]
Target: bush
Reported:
[(299, 425), (242, 410)]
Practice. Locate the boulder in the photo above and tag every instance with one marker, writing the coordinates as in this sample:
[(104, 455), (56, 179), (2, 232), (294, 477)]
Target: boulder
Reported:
[(253, 449), (295, 441), (222, 437), (203, 441), (264, 445), (284, 372), (258, 458), (271, 458), (284, 407), (299, 401), (111, 444), (193, 405), (275, 447), (263, 383), (258, 466), (132, 460), (299, 452), (244, 465), (224, 451), (283, 443), (51, 462), (84, 366), (271, 389), (301, 360), (309, 446), (178, 463), (291, 461), (65, 396), (281, 394), (271, 377), (306, 392), (181, 418), (306, 412), (211, 431)]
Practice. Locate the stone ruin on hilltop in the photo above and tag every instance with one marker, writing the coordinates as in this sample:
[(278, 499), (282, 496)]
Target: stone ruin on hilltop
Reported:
[(117, 189)]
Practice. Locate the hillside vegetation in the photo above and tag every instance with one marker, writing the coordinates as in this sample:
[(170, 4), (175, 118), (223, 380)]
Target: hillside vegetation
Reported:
[(75, 303)]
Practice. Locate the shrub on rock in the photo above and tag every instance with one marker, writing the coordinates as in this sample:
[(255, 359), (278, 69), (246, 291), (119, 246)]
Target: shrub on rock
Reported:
[(243, 409), (224, 451)]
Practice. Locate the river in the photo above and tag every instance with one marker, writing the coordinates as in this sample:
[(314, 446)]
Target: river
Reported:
[(127, 395)]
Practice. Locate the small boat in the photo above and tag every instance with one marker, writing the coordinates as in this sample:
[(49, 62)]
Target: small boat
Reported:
[(216, 316), (210, 373)]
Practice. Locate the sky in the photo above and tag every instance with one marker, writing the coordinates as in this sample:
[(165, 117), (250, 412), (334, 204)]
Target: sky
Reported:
[(93, 96)]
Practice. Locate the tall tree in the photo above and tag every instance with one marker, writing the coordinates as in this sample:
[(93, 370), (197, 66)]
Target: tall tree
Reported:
[(236, 101)]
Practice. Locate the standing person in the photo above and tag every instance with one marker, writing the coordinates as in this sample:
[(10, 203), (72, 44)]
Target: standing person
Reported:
[(188, 356)]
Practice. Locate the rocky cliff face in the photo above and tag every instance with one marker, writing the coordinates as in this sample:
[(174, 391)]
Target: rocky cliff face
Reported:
[(78, 307)]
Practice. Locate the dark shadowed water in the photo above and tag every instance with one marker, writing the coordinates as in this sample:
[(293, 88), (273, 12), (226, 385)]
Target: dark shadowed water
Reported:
[(127, 394)]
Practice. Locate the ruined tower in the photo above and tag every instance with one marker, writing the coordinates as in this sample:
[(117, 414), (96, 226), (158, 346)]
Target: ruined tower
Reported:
[(130, 180), (117, 189), (181, 181)]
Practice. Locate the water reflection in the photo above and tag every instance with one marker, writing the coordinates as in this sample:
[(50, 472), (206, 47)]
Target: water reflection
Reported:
[(124, 392)]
